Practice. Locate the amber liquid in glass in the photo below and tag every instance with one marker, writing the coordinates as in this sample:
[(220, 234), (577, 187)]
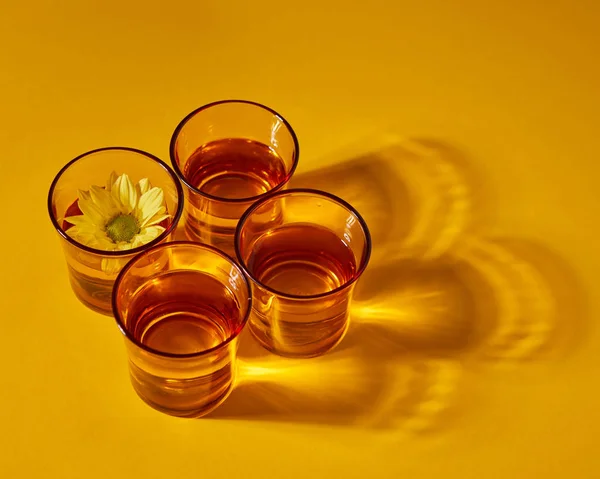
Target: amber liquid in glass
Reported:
[(185, 312), (301, 260), (235, 168), (229, 169)]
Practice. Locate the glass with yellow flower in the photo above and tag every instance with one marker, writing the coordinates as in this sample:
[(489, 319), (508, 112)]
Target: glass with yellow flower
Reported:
[(107, 205)]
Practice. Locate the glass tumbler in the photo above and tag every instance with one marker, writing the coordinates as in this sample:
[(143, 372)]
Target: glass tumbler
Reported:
[(92, 272), (303, 250), (181, 307), (229, 154)]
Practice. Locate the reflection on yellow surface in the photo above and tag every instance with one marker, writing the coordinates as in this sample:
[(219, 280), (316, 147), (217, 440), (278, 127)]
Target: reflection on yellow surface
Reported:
[(437, 297), (350, 386), (489, 298)]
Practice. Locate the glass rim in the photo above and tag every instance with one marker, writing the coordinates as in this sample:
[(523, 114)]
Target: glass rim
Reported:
[(192, 114), (101, 252), (156, 352), (309, 192)]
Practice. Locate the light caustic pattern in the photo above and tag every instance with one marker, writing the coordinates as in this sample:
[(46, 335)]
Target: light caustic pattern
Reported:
[(437, 294), (414, 196), (442, 197), (525, 309), (344, 390)]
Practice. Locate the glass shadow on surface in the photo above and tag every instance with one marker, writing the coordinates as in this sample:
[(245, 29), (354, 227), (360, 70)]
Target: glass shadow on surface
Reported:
[(496, 299), (414, 195), (421, 314), (415, 326), (348, 387)]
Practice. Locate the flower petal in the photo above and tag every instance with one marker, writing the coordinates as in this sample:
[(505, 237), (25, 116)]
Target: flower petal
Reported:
[(143, 186), (90, 237), (154, 220), (105, 203), (91, 210), (105, 243), (80, 221), (137, 241), (83, 237), (88, 234), (124, 245), (150, 233), (150, 204), (111, 180), (85, 195), (124, 192)]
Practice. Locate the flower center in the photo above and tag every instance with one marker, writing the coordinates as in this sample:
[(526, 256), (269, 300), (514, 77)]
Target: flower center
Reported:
[(122, 228)]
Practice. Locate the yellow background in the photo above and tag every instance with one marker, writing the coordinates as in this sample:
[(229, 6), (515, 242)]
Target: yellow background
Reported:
[(511, 84)]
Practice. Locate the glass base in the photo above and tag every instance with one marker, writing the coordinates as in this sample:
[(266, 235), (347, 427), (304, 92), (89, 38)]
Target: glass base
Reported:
[(94, 294), (186, 413), (295, 350)]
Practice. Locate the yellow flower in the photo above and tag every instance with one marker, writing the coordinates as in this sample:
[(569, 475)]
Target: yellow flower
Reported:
[(119, 217)]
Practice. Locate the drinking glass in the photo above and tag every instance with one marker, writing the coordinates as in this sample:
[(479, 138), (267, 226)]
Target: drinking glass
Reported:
[(303, 250), (181, 307), (92, 272), (229, 154)]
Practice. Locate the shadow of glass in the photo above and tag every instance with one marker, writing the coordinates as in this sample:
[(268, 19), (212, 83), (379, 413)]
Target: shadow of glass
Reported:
[(495, 299), (347, 387), (412, 194), (415, 325), (535, 297), (424, 307), (436, 298)]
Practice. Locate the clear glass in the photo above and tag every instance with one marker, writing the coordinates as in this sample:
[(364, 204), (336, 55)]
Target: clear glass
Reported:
[(303, 250), (229, 154), (181, 307), (91, 280)]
